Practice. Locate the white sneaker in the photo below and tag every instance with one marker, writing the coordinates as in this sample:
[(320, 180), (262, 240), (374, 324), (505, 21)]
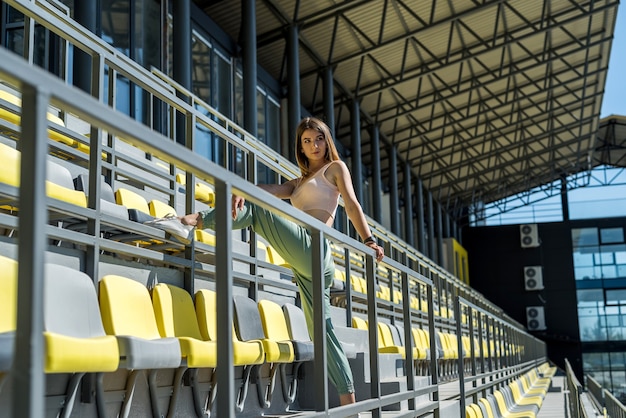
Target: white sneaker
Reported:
[(173, 226)]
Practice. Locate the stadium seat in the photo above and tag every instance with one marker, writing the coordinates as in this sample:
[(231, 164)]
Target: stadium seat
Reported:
[(298, 333), (386, 343), (75, 340), (108, 206), (176, 317), (14, 117), (245, 353), (138, 210), (510, 410), (8, 308), (59, 183), (249, 327), (127, 313), (522, 398), (202, 192)]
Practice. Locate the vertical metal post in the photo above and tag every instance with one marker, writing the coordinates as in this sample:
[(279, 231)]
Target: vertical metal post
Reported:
[(408, 334), (181, 19), (329, 100), (377, 211), (439, 228), (419, 205), (430, 225), (409, 235), (28, 368), (224, 286), (249, 64), (85, 13), (320, 375), (293, 94), (434, 372), (393, 190), (372, 325), (357, 162), (461, 372)]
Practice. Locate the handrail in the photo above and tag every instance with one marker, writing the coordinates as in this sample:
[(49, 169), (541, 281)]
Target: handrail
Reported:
[(40, 89), (613, 407)]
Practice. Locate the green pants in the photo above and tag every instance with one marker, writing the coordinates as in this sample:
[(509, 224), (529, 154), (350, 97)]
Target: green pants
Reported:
[(293, 243)]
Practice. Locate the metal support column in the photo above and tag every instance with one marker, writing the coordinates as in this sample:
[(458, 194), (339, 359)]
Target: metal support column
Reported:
[(564, 199), (430, 225), (377, 211), (329, 100), (293, 96), (249, 64), (439, 225), (181, 63), (357, 170), (419, 206), (408, 206), (393, 191), (85, 13)]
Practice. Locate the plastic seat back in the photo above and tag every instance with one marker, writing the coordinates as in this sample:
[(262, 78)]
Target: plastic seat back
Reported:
[(73, 330), (175, 312), (359, 323), (8, 310), (127, 308), (273, 320), (160, 209), (131, 200), (296, 323), (247, 319), (10, 161)]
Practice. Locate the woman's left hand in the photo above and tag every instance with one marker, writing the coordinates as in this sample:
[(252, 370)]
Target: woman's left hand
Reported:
[(378, 250)]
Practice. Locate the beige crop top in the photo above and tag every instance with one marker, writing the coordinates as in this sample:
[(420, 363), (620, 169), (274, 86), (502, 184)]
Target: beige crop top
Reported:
[(316, 192)]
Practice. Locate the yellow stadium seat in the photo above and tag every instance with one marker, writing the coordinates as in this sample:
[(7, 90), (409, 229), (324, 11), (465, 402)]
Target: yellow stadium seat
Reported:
[(245, 353), (126, 310), (59, 183), (8, 311), (276, 327), (176, 317), (74, 337), (15, 119), (249, 327)]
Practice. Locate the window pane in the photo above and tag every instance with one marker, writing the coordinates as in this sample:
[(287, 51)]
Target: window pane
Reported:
[(584, 237), (616, 296), (612, 235)]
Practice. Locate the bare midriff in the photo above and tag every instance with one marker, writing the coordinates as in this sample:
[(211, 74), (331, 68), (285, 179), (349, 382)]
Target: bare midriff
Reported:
[(321, 215)]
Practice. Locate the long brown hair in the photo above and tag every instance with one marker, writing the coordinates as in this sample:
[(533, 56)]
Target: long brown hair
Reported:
[(318, 125)]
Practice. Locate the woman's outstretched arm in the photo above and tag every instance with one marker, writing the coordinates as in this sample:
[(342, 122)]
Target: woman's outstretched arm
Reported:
[(339, 171)]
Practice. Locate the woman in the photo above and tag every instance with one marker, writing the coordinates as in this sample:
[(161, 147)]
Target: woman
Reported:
[(324, 178)]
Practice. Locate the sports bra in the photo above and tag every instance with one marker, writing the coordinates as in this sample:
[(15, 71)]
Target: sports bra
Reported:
[(316, 192)]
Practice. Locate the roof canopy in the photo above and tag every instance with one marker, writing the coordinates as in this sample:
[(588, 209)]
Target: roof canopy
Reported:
[(484, 99)]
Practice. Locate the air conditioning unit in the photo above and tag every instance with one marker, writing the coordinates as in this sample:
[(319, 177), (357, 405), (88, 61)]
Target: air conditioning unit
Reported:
[(529, 237), (535, 318), (533, 277)]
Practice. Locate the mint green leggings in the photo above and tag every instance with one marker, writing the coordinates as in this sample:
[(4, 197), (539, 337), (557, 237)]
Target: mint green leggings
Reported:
[(293, 243)]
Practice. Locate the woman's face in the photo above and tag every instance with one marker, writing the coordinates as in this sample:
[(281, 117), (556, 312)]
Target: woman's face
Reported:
[(313, 145)]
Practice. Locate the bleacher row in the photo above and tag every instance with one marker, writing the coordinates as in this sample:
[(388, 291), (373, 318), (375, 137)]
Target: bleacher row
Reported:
[(138, 329), (520, 398)]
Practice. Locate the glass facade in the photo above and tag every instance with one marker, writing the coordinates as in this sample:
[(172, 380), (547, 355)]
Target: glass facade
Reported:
[(599, 256)]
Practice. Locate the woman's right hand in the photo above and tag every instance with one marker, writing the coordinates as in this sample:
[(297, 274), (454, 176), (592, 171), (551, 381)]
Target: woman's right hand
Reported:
[(237, 205)]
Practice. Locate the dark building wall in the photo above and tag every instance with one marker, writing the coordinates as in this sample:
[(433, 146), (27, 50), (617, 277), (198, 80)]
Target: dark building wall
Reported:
[(496, 265)]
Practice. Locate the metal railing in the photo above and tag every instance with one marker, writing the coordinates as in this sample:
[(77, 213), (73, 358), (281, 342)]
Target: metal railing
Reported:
[(604, 400), (411, 271)]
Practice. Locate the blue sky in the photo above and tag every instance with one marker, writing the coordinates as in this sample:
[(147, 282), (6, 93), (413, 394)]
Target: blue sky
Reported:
[(614, 102)]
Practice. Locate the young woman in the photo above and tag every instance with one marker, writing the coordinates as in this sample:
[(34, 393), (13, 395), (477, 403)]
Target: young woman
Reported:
[(324, 178)]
